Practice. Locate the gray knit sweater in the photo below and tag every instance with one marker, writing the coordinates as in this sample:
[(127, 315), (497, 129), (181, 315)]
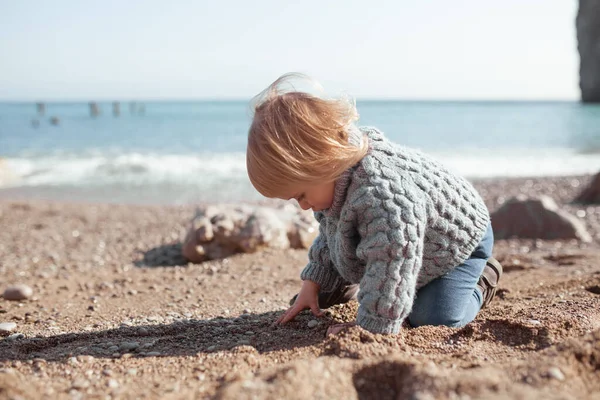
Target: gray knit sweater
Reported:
[(398, 220)]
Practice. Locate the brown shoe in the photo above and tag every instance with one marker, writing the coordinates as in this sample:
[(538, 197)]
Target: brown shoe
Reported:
[(340, 295), (488, 282)]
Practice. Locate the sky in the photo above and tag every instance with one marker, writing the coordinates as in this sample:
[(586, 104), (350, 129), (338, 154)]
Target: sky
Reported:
[(196, 49)]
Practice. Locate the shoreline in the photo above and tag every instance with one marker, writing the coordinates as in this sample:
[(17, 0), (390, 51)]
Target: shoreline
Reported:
[(492, 187)]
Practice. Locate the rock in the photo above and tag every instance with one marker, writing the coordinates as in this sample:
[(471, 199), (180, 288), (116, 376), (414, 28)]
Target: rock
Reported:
[(113, 349), (16, 336), (80, 384), (588, 38), (17, 292), (536, 218), (6, 328), (153, 353), (128, 346), (556, 373), (220, 231), (591, 194), (312, 323), (112, 384)]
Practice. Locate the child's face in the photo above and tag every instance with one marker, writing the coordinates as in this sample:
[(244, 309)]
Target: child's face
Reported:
[(318, 197)]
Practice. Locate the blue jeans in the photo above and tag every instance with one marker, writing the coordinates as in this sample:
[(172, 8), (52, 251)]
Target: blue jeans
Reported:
[(454, 298)]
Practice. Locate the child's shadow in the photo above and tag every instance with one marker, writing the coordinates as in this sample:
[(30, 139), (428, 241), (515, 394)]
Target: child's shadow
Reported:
[(181, 338), (166, 255)]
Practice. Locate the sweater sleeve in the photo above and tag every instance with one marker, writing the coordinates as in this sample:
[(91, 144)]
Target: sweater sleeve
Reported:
[(392, 235), (320, 269)]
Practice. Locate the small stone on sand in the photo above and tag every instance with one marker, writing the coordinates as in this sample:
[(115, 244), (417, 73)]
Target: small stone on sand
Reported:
[(128, 346), (17, 292), (312, 323), (556, 373), (6, 328)]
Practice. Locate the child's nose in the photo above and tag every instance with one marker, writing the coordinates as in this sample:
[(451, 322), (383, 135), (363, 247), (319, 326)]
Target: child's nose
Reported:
[(304, 205)]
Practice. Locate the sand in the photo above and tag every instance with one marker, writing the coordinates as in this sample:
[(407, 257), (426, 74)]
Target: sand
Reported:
[(106, 322)]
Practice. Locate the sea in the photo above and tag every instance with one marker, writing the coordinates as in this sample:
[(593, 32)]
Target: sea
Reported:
[(194, 151)]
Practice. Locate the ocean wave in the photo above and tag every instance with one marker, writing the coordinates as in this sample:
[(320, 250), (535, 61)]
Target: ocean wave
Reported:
[(131, 168), (211, 170)]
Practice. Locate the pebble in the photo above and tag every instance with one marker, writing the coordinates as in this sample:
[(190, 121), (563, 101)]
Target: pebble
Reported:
[(312, 323), (143, 332), (128, 346), (17, 292), (211, 348), (80, 384), (6, 328), (113, 348), (153, 353), (112, 383), (556, 373), (534, 322), (16, 336)]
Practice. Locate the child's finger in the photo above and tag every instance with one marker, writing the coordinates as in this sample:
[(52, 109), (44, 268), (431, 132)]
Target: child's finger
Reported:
[(316, 310), (290, 314), (282, 316)]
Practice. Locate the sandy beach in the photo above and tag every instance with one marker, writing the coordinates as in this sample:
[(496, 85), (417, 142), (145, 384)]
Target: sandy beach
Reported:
[(115, 313)]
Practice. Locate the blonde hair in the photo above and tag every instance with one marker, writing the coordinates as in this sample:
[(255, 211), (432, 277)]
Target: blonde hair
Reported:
[(299, 138)]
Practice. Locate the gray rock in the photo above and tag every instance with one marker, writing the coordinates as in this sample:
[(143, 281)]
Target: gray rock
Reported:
[(112, 349), (537, 218), (591, 194), (17, 292), (588, 38), (312, 323), (153, 353), (6, 328), (128, 346), (16, 336)]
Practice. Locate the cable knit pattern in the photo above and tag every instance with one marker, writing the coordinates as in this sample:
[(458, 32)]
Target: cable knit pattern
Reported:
[(399, 219)]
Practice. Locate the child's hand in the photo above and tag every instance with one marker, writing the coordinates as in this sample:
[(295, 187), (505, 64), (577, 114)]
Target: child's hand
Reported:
[(307, 298), (337, 328)]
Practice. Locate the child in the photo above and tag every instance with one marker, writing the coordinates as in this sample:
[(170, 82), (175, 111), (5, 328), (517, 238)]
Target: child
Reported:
[(413, 239)]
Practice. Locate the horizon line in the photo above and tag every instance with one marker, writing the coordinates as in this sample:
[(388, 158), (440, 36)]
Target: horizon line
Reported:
[(240, 99)]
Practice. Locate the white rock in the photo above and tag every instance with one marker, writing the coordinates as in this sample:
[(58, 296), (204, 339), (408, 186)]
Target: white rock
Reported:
[(312, 323), (556, 373), (6, 328), (112, 383)]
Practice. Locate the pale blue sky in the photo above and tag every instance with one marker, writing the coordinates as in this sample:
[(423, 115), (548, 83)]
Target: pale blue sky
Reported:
[(186, 49)]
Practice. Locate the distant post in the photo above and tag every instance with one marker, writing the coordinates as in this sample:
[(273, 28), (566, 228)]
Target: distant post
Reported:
[(116, 109), (41, 108), (94, 109)]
